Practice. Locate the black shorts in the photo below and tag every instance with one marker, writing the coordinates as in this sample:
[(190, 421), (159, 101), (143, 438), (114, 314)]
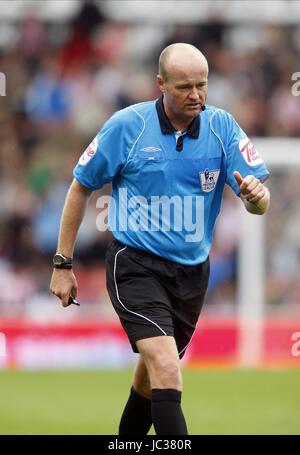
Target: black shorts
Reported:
[(153, 296)]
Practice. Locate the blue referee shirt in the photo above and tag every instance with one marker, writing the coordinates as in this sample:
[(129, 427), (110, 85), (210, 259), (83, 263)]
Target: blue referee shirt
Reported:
[(167, 186)]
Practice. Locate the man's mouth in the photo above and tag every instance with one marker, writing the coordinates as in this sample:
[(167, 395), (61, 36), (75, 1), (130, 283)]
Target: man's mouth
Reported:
[(194, 106)]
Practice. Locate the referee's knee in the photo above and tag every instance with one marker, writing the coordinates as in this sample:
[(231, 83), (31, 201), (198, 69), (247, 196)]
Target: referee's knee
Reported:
[(167, 377), (161, 358), (165, 373)]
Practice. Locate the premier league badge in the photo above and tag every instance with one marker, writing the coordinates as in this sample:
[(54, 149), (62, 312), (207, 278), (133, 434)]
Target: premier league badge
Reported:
[(208, 179)]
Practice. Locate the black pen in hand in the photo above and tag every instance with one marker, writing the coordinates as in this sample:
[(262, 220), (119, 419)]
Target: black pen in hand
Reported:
[(73, 300)]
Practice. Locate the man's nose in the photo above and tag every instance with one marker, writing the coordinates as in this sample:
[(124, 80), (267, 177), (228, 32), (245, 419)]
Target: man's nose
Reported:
[(194, 95)]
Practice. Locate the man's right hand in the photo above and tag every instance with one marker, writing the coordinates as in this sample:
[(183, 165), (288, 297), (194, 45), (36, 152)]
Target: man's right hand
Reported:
[(63, 285)]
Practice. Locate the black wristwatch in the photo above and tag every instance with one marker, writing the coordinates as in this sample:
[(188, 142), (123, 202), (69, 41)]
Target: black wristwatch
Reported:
[(60, 261)]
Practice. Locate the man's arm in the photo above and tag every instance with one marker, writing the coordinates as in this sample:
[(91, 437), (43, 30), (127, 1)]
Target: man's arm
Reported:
[(63, 282), (253, 193)]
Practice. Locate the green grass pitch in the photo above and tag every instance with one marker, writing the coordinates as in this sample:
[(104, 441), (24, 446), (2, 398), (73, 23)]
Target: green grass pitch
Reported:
[(90, 402)]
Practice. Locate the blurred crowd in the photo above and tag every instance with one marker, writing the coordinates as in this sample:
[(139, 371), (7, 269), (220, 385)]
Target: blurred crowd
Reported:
[(63, 80)]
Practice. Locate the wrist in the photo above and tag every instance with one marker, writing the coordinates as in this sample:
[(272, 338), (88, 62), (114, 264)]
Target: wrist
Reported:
[(60, 261)]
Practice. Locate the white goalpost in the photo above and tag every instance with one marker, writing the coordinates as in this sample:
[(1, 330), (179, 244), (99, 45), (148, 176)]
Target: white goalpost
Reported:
[(279, 154)]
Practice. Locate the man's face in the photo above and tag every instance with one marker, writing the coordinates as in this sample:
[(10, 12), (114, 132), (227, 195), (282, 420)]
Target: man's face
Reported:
[(185, 90)]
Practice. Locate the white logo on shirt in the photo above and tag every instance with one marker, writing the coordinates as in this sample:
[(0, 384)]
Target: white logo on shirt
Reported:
[(249, 153), (150, 149), (208, 179), (89, 152)]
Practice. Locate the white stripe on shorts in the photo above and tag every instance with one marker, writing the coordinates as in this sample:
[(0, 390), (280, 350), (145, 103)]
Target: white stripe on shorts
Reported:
[(117, 293)]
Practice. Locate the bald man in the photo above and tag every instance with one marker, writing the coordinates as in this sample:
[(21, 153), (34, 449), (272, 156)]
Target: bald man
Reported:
[(168, 161), (182, 78)]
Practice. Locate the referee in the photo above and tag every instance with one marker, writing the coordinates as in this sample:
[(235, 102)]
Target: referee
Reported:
[(168, 161)]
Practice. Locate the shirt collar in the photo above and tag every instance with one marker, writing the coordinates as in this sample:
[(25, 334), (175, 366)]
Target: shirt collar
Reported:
[(166, 127)]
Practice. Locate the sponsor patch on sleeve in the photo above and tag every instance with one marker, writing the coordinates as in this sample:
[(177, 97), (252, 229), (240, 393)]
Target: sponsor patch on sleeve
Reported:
[(89, 152), (249, 153)]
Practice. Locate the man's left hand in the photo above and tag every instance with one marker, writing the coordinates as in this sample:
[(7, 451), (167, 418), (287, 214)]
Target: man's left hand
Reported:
[(252, 190)]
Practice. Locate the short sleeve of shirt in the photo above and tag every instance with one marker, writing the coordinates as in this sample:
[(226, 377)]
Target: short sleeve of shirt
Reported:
[(241, 155), (104, 157)]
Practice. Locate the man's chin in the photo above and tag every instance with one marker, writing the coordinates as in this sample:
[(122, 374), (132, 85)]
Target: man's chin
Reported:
[(192, 112)]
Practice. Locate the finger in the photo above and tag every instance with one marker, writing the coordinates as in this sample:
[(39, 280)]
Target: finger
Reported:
[(238, 177), (74, 292), (65, 300), (254, 186), (258, 197), (246, 183), (254, 192)]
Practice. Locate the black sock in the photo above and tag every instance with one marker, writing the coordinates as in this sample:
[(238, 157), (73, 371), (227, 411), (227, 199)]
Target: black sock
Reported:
[(167, 414), (136, 417)]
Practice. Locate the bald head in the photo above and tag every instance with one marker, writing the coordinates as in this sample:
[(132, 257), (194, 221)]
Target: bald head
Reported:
[(180, 56), (183, 81)]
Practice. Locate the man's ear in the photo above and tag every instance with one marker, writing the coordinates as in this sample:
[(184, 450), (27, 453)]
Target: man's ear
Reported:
[(160, 82)]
